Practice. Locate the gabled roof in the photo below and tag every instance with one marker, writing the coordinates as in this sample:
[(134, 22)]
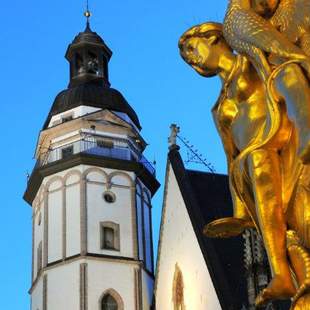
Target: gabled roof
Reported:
[(207, 197)]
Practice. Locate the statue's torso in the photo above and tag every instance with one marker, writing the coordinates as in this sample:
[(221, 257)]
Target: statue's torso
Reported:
[(243, 110)]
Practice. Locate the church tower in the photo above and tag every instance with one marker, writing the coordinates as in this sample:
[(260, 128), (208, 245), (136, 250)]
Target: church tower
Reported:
[(90, 193)]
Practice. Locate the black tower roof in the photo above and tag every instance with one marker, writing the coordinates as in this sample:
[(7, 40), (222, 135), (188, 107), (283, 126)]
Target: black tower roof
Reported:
[(89, 85), (92, 94), (88, 36)]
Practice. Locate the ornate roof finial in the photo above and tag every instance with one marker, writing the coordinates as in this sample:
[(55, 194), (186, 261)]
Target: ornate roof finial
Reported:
[(173, 137), (87, 14)]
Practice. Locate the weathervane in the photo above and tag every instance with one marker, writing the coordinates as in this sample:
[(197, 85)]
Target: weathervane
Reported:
[(87, 13)]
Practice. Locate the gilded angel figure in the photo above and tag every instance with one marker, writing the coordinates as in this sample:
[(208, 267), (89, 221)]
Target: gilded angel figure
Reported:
[(263, 117)]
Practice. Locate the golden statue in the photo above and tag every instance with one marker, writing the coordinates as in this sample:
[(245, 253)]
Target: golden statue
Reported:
[(263, 118)]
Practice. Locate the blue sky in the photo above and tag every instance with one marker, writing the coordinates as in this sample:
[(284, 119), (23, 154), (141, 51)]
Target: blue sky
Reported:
[(145, 67)]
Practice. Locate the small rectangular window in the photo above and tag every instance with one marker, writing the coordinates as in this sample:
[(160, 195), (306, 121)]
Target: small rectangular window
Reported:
[(67, 118), (67, 152), (108, 238), (105, 143), (57, 122)]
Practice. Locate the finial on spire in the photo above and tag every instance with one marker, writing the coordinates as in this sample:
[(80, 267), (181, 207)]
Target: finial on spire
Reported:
[(87, 14), (173, 137)]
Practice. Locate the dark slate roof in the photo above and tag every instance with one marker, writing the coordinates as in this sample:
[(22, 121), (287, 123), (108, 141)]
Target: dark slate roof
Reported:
[(88, 36), (207, 197), (93, 94)]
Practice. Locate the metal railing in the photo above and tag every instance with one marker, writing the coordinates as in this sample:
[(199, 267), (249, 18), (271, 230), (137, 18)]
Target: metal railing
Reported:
[(93, 148)]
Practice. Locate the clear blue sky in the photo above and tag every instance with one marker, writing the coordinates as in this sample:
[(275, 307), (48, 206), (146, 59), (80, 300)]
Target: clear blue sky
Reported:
[(145, 67)]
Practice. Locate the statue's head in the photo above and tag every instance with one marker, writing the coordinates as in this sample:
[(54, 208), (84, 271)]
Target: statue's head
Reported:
[(265, 7), (202, 46)]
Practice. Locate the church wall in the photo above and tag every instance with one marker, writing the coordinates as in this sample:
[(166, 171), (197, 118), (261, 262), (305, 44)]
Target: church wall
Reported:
[(118, 212), (73, 215), (140, 227), (64, 196), (65, 199), (102, 275), (144, 210), (147, 233), (148, 290), (179, 248), (38, 215), (55, 229), (63, 287), (37, 296), (107, 275)]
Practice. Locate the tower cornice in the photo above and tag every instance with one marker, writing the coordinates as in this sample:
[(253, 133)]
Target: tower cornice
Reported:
[(39, 174)]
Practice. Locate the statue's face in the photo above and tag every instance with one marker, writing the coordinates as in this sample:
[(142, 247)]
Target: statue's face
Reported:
[(202, 54), (265, 7)]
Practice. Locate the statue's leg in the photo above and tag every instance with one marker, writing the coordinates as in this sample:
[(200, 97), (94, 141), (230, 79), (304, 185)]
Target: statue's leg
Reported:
[(265, 175), (294, 88), (240, 209)]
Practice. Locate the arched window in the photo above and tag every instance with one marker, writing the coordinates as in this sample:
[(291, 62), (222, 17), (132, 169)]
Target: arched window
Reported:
[(111, 300), (178, 289), (109, 303)]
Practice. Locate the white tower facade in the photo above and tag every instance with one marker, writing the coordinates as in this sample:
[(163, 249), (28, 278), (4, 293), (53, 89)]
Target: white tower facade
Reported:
[(90, 193)]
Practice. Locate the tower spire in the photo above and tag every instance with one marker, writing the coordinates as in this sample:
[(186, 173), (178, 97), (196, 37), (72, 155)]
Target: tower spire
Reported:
[(87, 14)]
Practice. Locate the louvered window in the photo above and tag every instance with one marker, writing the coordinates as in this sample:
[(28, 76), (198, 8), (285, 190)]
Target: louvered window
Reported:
[(109, 303)]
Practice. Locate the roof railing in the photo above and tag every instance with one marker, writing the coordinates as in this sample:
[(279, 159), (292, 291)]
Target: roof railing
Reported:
[(94, 147)]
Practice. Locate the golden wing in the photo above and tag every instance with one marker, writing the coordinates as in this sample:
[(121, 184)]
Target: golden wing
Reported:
[(244, 29), (292, 18)]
